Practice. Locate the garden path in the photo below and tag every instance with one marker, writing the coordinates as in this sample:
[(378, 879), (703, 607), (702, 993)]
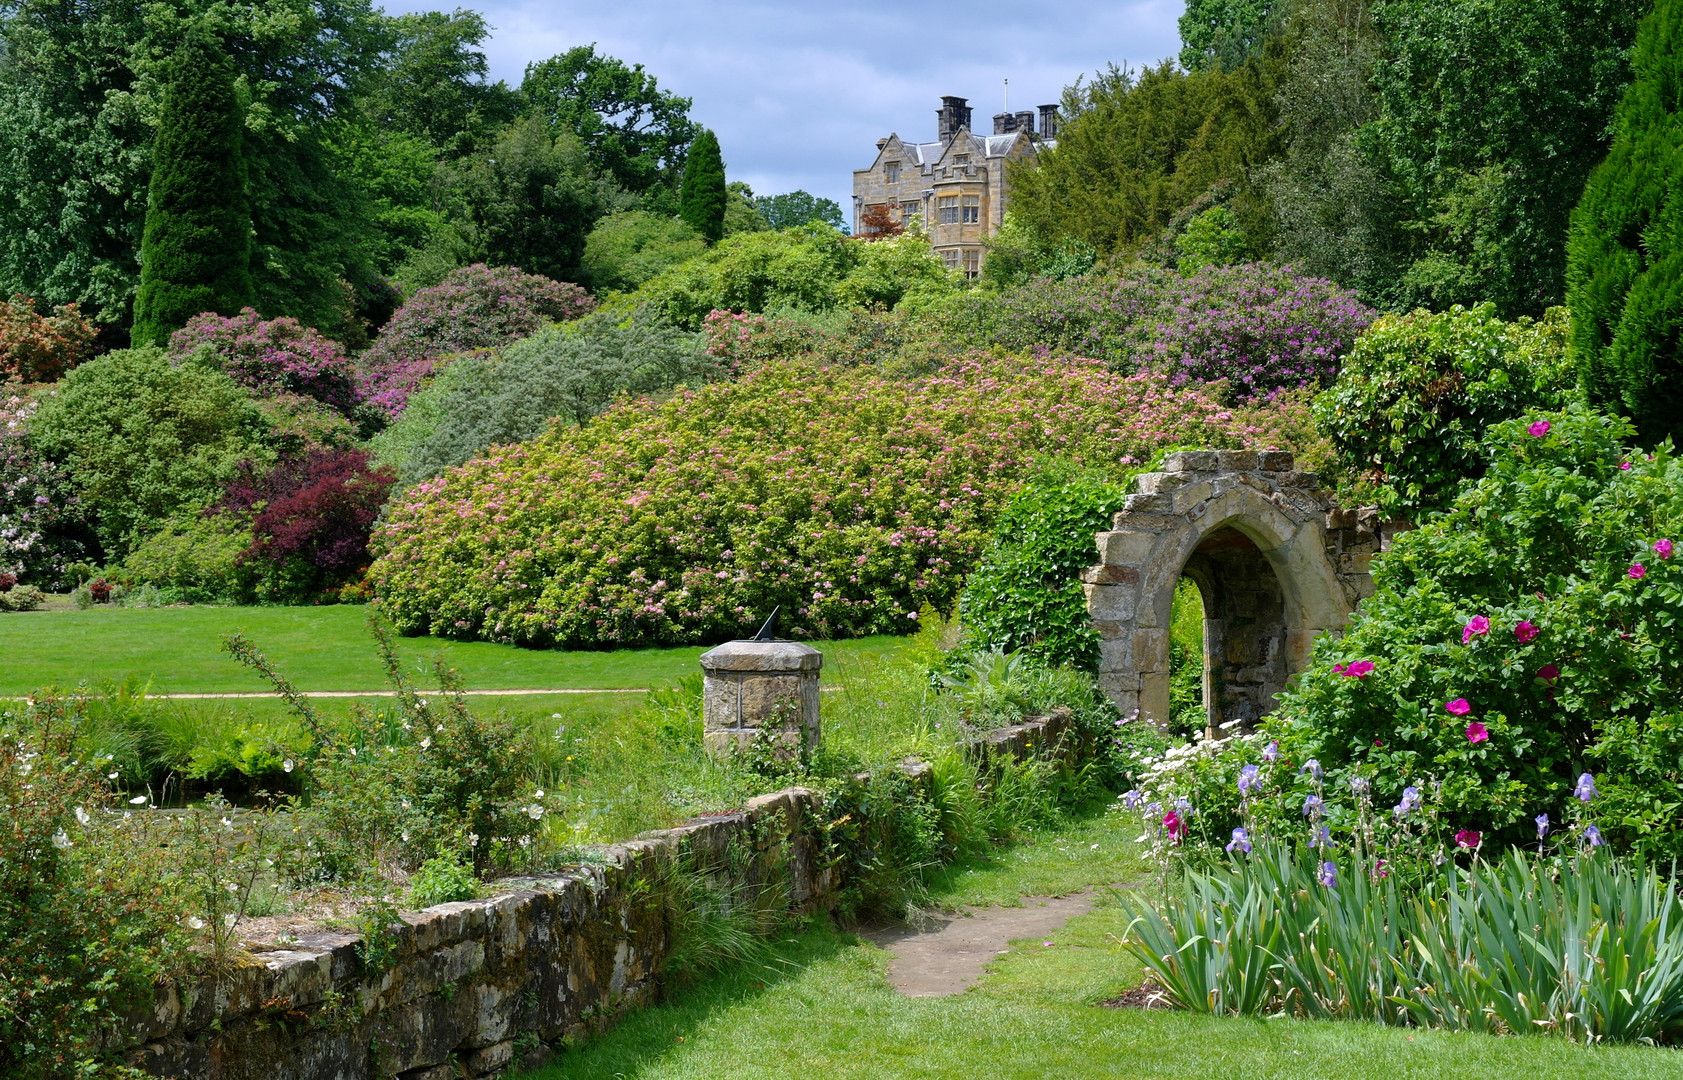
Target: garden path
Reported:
[(955, 954)]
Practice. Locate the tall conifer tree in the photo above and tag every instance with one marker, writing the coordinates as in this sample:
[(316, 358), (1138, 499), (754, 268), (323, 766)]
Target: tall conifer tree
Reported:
[(1625, 255), (701, 201), (195, 254)]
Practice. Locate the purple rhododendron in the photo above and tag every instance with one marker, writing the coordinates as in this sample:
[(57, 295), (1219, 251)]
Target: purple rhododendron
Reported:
[(273, 356), (476, 307)]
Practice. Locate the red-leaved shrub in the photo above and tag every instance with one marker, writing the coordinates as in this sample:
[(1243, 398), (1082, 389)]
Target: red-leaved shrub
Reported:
[(38, 348), (313, 518), (476, 307)]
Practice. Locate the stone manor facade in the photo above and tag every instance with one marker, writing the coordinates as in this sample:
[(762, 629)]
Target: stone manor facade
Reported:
[(955, 184)]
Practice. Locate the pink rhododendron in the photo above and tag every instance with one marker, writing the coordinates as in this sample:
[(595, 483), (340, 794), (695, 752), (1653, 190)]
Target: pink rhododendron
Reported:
[(1477, 732), (1525, 632), (1459, 706)]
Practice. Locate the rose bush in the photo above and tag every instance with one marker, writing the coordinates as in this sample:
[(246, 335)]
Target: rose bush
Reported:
[(848, 497), (476, 307), (1523, 639)]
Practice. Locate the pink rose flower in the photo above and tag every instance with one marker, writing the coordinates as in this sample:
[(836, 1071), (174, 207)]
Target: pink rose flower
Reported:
[(1361, 669), (1548, 673), (1459, 706), (1662, 548), (1477, 732), (1467, 838), (1478, 625), (1539, 429), (1624, 466), (1525, 632), (1638, 571)]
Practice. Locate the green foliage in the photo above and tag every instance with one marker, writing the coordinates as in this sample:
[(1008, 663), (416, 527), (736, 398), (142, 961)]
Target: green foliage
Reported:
[(196, 556), (85, 912), (1586, 948), (1624, 258), (1222, 33), (702, 199), (1417, 392), (195, 254), (433, 86), (79, 95), (1571, 533), (809, 269), (1026, 593), (1187, 714), (1212, 238), (145, 439), (1133, 149), (741, 215), (1017, 255), (630, 247), (442, 879), (529, 202), (1492, 113), (634, 131), (799, 208), (560, 375)]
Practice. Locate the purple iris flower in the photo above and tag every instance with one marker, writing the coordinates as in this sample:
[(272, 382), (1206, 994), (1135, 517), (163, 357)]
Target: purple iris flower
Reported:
[(1241, 842), (1542, 825), (1312, 806), (1313, 768), (1585, 791), (1592, 836), (1410, 802), (1250, 779), (1271, 753), (1328, 875)]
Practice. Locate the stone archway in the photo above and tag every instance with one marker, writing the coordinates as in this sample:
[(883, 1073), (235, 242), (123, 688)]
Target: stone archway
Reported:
[(1276, 562)]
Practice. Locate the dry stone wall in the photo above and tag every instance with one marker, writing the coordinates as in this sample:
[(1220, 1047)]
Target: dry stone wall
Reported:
[(476, 988)]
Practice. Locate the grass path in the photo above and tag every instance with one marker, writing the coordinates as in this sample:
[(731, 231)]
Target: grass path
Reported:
[(178, 651), (820, 1004)]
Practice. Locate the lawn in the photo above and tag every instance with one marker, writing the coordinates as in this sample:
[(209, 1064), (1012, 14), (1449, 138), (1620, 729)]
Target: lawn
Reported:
[(178, 651), (819, 1004)]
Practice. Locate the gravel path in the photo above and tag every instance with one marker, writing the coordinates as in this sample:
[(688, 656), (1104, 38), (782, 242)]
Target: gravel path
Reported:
[(949, 958)]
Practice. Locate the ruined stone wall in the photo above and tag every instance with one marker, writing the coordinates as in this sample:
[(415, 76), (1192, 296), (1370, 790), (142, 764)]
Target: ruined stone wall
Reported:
[(475, 988)]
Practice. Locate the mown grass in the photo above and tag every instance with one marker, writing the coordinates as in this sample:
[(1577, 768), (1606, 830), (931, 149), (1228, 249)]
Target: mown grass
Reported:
[(818, 1003), (179, 651)]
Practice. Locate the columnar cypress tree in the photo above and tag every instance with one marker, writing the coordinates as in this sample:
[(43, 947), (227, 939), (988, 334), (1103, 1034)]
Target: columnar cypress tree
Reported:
[(1625, 253), (195, 254), (701, 201)]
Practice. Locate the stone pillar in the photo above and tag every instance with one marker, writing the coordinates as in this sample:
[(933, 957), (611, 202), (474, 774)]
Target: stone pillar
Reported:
[(752, 686)]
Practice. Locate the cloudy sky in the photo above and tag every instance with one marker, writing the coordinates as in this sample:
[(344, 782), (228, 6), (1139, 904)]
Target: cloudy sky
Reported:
[(799, 93)]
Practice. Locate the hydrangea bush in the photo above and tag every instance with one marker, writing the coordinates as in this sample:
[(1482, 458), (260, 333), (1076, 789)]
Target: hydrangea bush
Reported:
[(476, 307), (849, 498), (272, 356), (1258, 326)]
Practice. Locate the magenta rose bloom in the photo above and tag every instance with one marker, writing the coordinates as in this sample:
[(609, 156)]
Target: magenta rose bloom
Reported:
[(1525, 631), (1638, 571), (1459, 706), (1548, 673), (1662, 548), (1475, 626), (1539, 429), (1467, 838), (1361, 669), (1477, 732)]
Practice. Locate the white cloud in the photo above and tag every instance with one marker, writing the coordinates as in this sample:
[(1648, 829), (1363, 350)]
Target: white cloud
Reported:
[(799, 93)]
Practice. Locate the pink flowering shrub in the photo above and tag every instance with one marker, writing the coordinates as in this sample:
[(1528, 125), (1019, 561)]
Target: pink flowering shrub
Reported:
[(273, 356), (1513, 648), (42, 527), (1258, 326), (848, 497), (476, 307)]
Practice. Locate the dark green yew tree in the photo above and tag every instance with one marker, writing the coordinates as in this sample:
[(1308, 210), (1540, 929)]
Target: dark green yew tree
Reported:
[(1625, 254), (195, 254), (701, 201)]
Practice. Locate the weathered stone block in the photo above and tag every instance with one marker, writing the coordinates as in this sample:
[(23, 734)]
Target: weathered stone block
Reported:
[(1276, 460), (1189, 496), (774, 699), (721, 698), (1192, 461), (1110, 575), (1148, 504), (1111, 601), (1236, 460), (1117, 654), (1129, 547), (488, 1059)]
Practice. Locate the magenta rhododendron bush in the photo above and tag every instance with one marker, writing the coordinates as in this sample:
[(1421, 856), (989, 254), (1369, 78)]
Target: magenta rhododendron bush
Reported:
[(273, 356), (848, 497)]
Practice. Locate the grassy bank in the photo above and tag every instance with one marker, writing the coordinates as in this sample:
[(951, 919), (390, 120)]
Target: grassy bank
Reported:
[(178, 651)]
